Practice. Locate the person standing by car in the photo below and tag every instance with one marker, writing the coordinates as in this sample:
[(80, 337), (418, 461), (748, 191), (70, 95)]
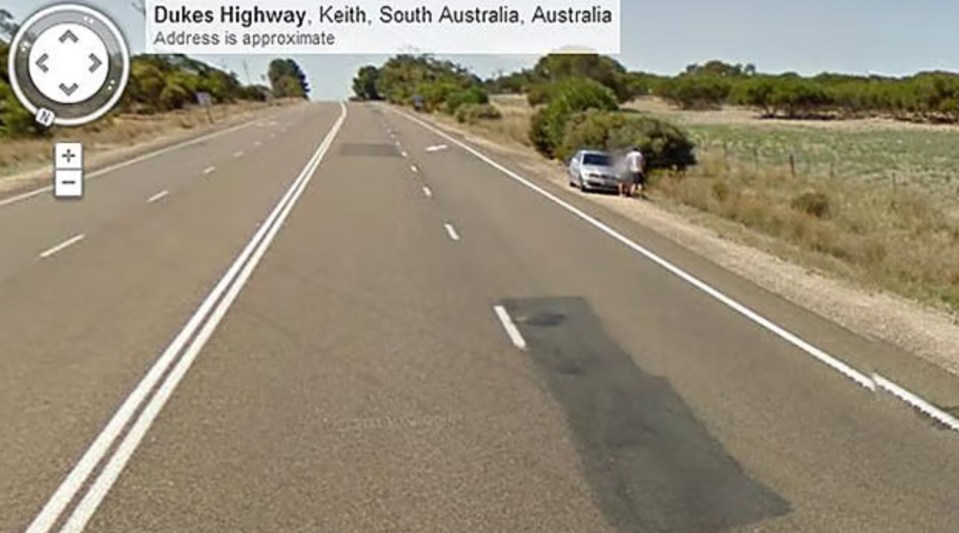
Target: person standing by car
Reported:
[(635, 173)]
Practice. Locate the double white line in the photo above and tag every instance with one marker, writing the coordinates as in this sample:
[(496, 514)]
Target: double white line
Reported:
[(153, 391)]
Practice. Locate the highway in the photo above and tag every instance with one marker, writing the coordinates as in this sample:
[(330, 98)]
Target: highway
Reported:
[(320, 323)]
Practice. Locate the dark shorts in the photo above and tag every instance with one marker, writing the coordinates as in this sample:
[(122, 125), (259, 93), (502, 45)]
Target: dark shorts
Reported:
[(637, 178)]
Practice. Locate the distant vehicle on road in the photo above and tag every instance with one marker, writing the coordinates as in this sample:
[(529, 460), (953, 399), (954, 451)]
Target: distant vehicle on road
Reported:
[(592, 170)]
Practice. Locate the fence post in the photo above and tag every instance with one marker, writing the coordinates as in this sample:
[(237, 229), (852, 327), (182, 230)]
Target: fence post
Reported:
[(792, 164)]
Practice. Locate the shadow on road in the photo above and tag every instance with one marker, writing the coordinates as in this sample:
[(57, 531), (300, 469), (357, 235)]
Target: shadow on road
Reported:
[(652, 465)]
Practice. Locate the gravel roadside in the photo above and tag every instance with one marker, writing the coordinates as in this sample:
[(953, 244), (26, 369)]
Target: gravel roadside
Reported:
[(924, 331)]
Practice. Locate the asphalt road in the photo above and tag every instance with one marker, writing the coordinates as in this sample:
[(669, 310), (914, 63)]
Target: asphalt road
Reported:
[(316, 323)]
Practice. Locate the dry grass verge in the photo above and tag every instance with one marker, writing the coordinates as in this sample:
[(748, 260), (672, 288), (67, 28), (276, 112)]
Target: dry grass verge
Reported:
[(816, 281), (121, 131), (903, 238), (879, 237)]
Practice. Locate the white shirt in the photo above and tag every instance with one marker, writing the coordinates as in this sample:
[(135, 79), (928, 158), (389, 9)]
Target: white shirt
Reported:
[(634, 161)]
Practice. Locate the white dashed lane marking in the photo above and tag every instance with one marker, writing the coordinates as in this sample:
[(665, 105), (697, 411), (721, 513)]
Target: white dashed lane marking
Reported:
[(158, 196), (451, 231), (62, 246), (511, 330)]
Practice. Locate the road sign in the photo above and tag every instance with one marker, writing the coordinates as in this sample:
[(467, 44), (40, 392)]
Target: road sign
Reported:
[(204, 99)]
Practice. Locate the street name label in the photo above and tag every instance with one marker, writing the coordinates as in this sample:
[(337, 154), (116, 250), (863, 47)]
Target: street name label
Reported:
[(368, 27)]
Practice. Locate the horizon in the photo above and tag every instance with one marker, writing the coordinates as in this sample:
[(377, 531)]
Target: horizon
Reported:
[(883, 40)]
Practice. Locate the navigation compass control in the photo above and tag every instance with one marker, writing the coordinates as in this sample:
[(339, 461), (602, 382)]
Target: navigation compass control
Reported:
[(69, 65)]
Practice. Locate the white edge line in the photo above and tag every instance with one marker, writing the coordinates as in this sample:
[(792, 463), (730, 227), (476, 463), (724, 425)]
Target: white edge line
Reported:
[(829, 360), (511, 330), (158, 196), (134, 161), (866, 381), (209, 170), (108, 476), (77, 477), (451, 231), (428, 192), (62, 246), (917, 402)]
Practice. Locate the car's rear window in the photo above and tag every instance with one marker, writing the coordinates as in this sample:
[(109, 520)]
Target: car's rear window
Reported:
[(597, 160)]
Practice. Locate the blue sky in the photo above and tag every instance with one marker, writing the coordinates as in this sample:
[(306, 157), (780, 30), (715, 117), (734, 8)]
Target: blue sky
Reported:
[(855, 36)]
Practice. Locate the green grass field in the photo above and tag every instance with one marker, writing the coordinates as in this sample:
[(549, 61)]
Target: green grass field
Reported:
[(922, 160)]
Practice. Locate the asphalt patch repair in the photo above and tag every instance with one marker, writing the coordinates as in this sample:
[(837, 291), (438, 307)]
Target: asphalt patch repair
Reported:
[(651, 464), (368, 150)]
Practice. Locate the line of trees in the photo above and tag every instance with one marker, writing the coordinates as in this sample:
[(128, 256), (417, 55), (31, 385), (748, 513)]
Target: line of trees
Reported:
[(926, 96), (161, 83)]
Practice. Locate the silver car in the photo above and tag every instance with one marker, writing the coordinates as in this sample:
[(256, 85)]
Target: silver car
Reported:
[(591, 170)]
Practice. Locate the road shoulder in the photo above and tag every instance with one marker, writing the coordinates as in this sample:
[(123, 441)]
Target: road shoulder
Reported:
[(23, 183), (875, 315)]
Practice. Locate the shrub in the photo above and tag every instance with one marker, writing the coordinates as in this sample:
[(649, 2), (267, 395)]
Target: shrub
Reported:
[(457, 99), (173, 97), (582, 94), (756, 92), (696, 92), (812, 203), (545, 128), (601, 69), (15, 120), (539, 131), (538, 94), (664, 145), (435, 94), (548, 125), (798, 97), (473, 113), (254, 93)]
